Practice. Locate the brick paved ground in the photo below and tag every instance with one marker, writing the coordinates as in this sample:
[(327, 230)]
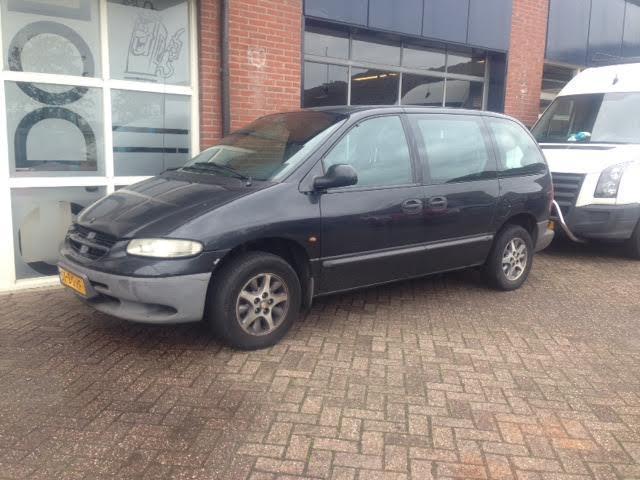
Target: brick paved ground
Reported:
[(437, 378)]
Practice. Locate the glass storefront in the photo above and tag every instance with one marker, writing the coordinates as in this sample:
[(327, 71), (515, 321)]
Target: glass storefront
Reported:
[(355, 69), (94, 95)]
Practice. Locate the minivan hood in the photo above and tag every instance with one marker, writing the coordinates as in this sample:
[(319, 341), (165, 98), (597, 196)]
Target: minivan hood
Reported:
[(587, 158), (157, 206)]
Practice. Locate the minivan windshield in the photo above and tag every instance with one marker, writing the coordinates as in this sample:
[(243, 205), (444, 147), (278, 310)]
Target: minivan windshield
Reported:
[(269, 148), (591, 118)]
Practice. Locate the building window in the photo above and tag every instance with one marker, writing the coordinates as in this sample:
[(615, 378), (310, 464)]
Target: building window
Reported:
[(459, 64), (41, 217), (325, 85), (424, 59), (90, 102), (371, 51), (52, 37), (464, 94), (326, 43), (374, 87), (554, 79), (157, 48), (40, 115), (422, 90), (149, 133), (344, 69)]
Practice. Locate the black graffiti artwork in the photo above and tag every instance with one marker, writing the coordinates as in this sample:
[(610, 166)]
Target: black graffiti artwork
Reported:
[(33, 118), (34, 29), (151, 52), (72, 95), (139, 4)]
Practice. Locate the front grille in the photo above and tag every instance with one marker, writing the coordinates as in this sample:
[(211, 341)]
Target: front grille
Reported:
[(90, 243), (566, 187)]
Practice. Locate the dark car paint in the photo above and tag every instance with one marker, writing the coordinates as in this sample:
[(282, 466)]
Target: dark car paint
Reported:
[(371, 237), (154, 207)]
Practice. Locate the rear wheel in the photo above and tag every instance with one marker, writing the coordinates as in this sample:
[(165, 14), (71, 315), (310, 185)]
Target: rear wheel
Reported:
[(633, 244), (510, 260), (254, 300)]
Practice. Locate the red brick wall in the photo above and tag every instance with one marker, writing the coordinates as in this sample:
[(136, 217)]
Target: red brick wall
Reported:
[(209, 71), (265, 43), (265, 58), (526, 59)]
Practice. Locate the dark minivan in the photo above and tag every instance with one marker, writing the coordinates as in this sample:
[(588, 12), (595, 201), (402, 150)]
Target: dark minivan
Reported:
[(308, 203)]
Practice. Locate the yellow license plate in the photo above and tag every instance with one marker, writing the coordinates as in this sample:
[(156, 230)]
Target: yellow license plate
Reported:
[(73, 281)]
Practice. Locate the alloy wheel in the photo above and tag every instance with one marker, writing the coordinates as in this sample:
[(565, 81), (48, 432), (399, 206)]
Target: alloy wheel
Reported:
[(262, 304), (514, 259)]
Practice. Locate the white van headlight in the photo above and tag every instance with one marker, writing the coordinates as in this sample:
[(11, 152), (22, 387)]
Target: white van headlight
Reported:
[(163, 247), (609, 182)]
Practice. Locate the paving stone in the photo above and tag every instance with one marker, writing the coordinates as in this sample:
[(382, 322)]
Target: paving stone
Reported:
[(434, 378)]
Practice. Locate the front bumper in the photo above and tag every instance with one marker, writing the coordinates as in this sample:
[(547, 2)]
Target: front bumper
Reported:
[(604, 222), (163, 300)]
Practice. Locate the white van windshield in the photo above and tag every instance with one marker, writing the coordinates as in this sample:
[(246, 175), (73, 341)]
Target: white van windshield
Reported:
[(591, 118)]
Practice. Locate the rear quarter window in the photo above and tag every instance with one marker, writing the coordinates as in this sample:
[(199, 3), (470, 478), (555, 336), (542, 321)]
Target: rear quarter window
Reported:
[(454, 148), (518, 153)]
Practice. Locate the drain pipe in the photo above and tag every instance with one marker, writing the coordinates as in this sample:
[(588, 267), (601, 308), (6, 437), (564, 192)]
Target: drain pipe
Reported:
[(224, 68)]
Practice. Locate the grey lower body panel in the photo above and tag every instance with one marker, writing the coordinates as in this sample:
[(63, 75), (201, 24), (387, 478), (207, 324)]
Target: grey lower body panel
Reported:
[(604, 222), (159, 300), (545, 236)]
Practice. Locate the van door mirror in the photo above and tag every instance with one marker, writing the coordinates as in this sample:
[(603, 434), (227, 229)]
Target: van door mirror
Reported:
[(339, 175)]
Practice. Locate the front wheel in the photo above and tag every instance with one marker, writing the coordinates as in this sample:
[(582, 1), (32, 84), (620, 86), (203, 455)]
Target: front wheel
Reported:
[(510, 260), (254, 300)]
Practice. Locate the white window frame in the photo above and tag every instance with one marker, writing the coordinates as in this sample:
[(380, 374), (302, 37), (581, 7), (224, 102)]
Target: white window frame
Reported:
[(8, 279)]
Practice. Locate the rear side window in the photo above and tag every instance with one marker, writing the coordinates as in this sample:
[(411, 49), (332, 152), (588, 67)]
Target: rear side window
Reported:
[(518, 154), (453, 148), (377, 149)]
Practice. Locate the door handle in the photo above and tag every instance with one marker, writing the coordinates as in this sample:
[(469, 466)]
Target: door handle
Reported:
[(438, 203), (413, 205)]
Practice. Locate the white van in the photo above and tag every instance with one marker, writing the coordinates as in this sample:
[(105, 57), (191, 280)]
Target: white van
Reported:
[(590, 135)]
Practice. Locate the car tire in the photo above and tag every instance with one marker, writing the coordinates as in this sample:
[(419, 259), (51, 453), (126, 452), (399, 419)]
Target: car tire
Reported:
[(253, 300), (633, 244), (506, 267)]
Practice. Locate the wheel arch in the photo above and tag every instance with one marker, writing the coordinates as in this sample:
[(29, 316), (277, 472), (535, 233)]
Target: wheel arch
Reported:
[(289, 250), (525, 220)]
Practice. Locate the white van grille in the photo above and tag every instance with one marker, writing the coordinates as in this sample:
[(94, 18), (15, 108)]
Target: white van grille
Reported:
[(566, 187)]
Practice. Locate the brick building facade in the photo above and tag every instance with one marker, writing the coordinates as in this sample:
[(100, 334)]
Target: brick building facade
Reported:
[(268, 54)]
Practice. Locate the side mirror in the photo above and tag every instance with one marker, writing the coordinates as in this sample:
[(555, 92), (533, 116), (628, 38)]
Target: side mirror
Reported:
[(339, 175)]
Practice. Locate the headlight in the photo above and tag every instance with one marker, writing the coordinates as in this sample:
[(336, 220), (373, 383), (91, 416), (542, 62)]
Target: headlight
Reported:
[(610, 181), (163, 247)]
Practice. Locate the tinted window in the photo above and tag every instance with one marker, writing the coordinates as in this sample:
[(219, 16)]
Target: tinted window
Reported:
[(517, 152), (464, 94), (369, 51), (378, 150), (374, 87), (325, 85), (269, 148), (325, 43), (455, 148), (466, 64), (416, 57), (422, 90)]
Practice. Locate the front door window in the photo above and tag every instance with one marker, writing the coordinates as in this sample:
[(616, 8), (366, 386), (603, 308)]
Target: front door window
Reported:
[(378, 150)]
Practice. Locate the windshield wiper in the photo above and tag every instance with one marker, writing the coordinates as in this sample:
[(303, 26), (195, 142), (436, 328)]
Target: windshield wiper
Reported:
[(224, 168)]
